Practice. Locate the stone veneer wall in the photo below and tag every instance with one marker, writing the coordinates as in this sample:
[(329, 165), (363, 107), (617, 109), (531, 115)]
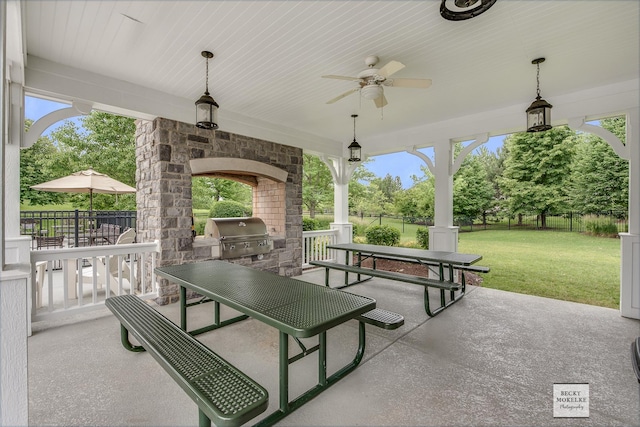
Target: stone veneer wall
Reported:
[(163, 150)]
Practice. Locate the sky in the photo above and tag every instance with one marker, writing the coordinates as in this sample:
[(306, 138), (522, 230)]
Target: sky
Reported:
[(402, 164)]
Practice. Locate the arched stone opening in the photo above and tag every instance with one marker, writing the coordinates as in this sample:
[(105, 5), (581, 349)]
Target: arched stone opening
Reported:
[(268, 183)]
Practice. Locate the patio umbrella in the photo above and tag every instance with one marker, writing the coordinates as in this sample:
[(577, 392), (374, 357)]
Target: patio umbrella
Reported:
[(88, 181)]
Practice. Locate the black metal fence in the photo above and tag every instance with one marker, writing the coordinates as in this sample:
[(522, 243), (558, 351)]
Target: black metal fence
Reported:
[(612, 222), (75, 228)]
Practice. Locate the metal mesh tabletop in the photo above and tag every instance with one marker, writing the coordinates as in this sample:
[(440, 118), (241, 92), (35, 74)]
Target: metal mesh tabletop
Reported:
[(293, 306), (454, 258)]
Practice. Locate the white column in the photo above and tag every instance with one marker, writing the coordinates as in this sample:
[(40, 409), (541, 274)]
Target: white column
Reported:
[(14, 398), (443, 236), (341, 171), (630, 242)]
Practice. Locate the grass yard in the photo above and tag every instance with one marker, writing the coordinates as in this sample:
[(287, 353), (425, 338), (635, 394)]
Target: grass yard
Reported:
[(559, 265), (562, 265)]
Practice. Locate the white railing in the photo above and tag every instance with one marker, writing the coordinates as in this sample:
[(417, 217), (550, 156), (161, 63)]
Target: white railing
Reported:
[(315, 246), (71, 280)]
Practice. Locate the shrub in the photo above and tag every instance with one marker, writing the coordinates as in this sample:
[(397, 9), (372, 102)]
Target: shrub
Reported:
[(309, 224), (600, 226), (228, 209), (382, 235), (359, 230), (199, 225), (359, 239), (422, 236)]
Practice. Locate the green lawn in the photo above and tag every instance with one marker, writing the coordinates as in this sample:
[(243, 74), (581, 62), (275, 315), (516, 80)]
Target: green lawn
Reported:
[(555, 264), (560, 265)]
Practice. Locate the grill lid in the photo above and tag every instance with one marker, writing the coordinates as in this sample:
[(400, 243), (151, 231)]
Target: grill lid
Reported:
[(221, 228)]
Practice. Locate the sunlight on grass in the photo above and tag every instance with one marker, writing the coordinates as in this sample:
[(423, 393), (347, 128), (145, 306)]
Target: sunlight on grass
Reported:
[(560, 265)]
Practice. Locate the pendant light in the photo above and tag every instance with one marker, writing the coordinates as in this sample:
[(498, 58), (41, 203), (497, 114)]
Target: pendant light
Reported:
[(206, 107), (539, 112), (355, 151)]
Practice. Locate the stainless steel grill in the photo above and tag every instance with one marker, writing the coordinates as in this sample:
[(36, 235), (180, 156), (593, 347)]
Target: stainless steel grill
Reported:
[(239, 236)]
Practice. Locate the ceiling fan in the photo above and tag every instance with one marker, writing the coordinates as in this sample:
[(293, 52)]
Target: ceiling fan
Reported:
[(372, 80)]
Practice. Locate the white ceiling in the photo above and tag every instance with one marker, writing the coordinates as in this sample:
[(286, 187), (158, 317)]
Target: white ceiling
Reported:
[(269, 55)]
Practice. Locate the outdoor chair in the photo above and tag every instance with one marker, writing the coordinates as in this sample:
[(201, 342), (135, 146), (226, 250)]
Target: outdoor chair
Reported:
[(107, 233), (128, 236), (49, 241)]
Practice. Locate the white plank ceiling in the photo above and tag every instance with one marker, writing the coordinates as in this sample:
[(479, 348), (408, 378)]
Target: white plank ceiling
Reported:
[(269, 55)]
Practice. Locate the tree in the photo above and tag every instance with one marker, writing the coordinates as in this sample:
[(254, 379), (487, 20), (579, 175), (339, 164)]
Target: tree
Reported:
[(317, 184), (360, 195), (419, 199), (493, 164), (600, 178), (205, 191), (472, 192), (388, 186), (107, 146), (536, 171), (35, 168)]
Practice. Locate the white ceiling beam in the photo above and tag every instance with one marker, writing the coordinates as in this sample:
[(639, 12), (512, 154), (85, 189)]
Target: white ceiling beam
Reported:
[(119, 97), (594, 103)]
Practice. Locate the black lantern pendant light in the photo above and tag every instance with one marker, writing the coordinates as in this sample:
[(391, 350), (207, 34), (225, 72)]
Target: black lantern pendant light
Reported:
[(539, 112), (355, 151), (206, 107)]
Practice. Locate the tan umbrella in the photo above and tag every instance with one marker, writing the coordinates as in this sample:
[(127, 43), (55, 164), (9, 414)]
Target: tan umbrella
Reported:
[(88, 181)]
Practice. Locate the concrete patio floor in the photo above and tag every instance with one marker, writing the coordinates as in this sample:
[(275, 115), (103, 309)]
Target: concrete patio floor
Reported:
[(490, 359)]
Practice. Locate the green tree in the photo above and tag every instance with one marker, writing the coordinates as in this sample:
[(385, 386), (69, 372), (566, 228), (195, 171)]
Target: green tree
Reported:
[(473, 194), (493, 164), (317, 184), (107, 146), (359, 192), (205, 191), (419, 199), (600, 178), (35, 168), (536, 171), (388, 186)]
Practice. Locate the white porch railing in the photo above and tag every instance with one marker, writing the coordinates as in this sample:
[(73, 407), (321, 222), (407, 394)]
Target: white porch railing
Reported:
[(80, 279), (315, 246)]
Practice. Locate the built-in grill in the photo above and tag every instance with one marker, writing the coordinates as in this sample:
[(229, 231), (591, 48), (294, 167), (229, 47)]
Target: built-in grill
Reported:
[(239, 237)]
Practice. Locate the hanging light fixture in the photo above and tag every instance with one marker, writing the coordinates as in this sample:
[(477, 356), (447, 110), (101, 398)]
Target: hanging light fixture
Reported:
[(539, 112), (206, 107), (355, 151)]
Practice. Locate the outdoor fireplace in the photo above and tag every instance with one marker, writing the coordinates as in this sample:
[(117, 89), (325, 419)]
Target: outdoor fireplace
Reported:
[(238, 237), (171, 153)]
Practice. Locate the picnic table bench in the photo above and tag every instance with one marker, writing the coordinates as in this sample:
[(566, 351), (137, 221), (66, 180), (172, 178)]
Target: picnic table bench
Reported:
[(224, 395), (424, 257)]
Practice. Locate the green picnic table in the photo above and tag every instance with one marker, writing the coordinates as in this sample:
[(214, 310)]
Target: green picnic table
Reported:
[(296, 308), (440, 259)]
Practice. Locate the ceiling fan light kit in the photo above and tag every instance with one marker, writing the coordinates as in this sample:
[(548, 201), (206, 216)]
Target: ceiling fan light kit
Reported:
[(371, 91), (539, 112), (206, 106)]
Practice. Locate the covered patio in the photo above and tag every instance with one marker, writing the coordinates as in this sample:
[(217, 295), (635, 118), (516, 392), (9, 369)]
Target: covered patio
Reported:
[(493, 357), (490, 359)]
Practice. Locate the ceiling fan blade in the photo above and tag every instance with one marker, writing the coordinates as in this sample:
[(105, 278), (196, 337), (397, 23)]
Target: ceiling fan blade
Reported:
[(339, 97), (331, 76), (414, 83), (380, 101), (390, 68)]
